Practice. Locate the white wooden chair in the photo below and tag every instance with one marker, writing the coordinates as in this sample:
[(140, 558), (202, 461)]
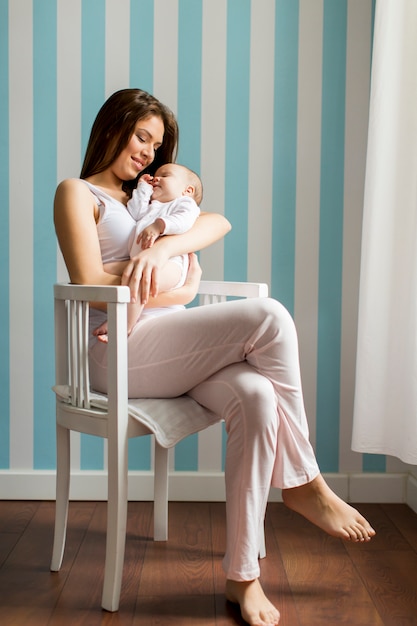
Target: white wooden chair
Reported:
[(117, 418)]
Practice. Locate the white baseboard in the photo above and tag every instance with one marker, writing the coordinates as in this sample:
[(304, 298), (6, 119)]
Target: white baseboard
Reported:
[(199, 486), (389, 488), (411, 497)]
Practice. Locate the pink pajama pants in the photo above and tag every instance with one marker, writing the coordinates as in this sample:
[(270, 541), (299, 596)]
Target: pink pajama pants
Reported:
[(239, 359)]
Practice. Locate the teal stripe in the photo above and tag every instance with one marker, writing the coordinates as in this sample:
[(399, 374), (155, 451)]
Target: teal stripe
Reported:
[(141, 44), (186, 454), (93, 15), (44, 244), (374, 463), (285, 152), (331, 233), (237, 134), (140, 453), (92, 453), (93, 95), (190, 34), (4, 238)]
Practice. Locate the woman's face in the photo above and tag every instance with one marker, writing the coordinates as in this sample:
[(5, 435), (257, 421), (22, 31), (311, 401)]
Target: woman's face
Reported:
[(140, 151)]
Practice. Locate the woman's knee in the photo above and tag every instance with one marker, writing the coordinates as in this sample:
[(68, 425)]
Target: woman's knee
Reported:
[(276, 312), (254, 401)]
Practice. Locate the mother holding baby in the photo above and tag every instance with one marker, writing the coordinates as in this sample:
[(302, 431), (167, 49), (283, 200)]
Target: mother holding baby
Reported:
[(239, 359)]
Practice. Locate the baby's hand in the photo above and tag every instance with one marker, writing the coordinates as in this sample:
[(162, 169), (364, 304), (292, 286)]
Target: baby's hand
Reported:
[(150, 234), (146, 178)]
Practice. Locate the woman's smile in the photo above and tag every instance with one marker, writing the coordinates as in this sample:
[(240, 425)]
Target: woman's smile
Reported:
[(139, 163)]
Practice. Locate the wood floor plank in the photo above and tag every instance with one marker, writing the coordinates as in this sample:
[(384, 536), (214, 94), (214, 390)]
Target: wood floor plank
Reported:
[(388, 535), (405, 520), (176, 582), (28, 590), (7, 543), (390, 577), (80, 601), (14, 518), (16, 515), (183, 564), (182, 610), (324, 582)]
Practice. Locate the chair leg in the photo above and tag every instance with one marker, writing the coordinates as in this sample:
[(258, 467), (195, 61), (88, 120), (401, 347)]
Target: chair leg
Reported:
[(62, 495), (160, 532), (116, 527)]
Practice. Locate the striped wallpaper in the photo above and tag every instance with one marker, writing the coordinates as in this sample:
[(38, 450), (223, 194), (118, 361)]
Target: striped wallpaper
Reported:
[(272, 102)]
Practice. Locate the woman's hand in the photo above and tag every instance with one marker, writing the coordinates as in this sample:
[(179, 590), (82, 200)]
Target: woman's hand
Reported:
[(194, 273), (141, 273), (181, 295)]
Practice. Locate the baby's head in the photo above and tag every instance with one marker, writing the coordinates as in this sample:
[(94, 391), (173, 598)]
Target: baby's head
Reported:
[(173, 180)]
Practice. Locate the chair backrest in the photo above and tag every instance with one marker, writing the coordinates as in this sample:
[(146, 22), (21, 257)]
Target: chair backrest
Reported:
[(72, 338)]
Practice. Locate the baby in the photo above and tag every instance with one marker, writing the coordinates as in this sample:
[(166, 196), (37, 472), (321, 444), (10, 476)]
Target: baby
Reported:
[(165, 204)]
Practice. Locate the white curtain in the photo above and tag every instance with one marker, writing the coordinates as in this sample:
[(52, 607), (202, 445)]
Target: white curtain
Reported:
[(385, 413)]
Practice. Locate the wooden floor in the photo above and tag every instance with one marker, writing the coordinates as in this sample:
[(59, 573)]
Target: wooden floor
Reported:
[(315, 580)]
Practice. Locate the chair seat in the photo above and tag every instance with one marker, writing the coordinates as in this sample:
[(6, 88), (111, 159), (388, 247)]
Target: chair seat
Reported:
[(169, 419)]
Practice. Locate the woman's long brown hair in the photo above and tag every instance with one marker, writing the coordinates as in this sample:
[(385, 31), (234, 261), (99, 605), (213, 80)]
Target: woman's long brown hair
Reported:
[(114, 126)]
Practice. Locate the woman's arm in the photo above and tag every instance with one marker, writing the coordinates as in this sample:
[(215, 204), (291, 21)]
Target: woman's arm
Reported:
[(184, 294), (181, 295), (75, 213), (76, 229), (141, 273)]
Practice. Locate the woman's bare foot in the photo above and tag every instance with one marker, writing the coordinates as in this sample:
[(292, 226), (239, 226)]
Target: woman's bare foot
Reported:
[(255, 607), (321, 506)]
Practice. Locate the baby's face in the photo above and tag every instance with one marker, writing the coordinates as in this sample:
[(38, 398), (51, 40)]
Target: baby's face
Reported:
[(168, 183)]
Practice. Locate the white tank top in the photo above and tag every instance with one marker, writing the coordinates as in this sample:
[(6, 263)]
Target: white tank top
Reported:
[(115, 226), (116, 229)]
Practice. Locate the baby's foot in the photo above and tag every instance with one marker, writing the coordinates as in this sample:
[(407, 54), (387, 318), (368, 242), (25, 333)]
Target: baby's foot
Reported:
[(321, 506), (101, 332), (255, 607)]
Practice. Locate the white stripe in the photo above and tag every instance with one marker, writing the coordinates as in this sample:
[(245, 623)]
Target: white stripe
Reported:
[(68, 88), (75, 450), (261, 121), (117, 45), (213, 125), (166, 52), (21, 233), (68, 124), (308, 197), (358, 63), (68, 99), (393, 464)]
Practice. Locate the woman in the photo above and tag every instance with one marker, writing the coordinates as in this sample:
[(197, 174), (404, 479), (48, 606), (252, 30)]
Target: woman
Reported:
[(239, 359)]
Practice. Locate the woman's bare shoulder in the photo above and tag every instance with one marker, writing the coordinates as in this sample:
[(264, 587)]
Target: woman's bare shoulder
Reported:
[(72, 197), (76, 185), (73, 189)]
